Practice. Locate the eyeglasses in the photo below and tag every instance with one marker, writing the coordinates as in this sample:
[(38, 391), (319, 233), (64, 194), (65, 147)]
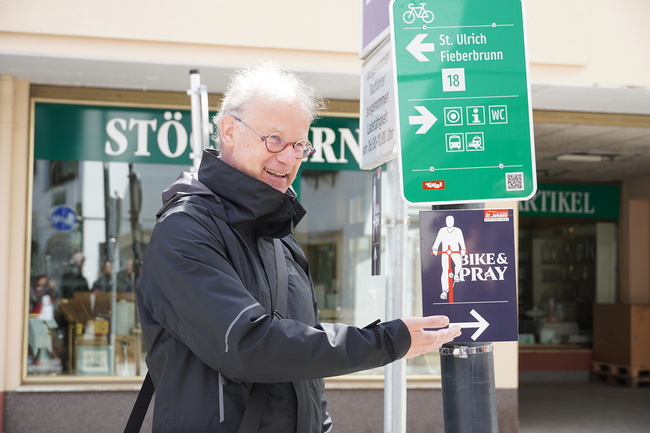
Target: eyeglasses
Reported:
[(275, 144)]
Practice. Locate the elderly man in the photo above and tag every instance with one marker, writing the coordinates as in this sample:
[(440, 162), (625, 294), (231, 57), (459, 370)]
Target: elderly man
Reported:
[(233, 339)]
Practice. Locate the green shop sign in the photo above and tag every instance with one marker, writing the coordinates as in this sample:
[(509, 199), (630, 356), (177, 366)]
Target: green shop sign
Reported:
[(573, 201), (75, 132)]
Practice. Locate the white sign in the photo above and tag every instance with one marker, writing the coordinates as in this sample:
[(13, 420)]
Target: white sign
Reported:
[(377, 118)]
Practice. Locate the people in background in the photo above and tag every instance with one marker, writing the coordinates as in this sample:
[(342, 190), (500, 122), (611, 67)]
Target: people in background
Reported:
[(73, 279), (105, 281), (126, 277)]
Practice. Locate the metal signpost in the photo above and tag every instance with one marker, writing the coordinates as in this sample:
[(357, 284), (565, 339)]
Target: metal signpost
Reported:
[(462, 92), (378, 143), (201, 126)]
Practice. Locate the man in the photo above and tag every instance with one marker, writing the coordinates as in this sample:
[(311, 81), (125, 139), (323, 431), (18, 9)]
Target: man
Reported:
[(125, 277), (73, 279), (207, 293), (105, 281)]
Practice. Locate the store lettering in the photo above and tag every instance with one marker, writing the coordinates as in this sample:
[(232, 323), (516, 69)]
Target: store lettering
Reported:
[(119, 142), (172, 139), (324, 139), (566, 202)]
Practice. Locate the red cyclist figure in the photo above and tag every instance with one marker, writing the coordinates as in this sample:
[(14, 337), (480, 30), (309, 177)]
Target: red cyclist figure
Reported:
[(453, 243)]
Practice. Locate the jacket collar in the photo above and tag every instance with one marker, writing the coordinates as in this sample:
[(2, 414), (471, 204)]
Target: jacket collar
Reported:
[(250, 203)]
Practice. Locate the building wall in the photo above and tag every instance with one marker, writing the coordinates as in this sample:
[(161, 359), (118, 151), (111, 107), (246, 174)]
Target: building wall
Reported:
[(282, 24), (588, 42), (635, 242), (14, 157), (567, 47), (585, 42)]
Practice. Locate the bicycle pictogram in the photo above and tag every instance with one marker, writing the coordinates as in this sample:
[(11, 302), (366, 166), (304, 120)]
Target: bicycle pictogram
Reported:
[(417, 12)]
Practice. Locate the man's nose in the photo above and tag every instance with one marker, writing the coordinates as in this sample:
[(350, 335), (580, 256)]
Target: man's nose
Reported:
[(287, 155)]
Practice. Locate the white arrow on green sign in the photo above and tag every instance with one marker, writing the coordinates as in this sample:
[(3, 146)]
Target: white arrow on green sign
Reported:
[(426, 119), (417, 47), (462, 91)]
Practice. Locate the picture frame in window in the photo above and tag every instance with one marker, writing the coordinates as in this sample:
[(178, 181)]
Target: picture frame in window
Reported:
[(94, 360)]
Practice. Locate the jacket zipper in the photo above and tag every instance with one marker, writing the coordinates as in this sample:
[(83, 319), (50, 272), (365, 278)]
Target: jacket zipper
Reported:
[(222, 414)]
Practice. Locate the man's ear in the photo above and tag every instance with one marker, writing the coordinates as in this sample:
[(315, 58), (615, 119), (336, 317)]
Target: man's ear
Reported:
[(227, 129)]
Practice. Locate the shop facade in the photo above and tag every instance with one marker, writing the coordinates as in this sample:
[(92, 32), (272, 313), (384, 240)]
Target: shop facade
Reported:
[(85, 153), (98, 171), (95, 172)]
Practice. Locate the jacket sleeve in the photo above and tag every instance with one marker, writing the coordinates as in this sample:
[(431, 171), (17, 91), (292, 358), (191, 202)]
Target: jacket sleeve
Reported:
[(193, 292)]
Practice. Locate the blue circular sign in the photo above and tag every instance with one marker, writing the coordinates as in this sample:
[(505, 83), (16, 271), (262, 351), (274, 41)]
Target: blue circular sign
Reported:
[(64, 218)]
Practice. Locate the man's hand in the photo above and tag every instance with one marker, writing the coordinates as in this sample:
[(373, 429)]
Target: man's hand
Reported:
[(424, 341)]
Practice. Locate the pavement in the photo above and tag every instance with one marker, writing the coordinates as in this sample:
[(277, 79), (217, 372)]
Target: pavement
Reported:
[(583, 406)]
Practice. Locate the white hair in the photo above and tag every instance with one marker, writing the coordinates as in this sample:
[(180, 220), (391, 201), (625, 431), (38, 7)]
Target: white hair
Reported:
[(267, 82)]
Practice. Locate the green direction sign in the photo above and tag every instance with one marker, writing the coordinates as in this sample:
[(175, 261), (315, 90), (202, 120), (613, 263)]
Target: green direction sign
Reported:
[(464, 114)]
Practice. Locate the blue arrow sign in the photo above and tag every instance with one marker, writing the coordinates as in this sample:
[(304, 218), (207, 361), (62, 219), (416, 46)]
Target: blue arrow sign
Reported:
[(468, 271)]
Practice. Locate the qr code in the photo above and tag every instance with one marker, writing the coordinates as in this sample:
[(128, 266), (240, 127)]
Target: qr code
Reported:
[(514, 181)]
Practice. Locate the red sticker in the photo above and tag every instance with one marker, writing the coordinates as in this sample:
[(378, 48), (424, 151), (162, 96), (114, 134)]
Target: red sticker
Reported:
[(433, 184)]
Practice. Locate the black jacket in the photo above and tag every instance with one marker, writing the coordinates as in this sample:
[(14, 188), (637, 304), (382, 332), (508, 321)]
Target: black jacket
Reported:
[(204, 298)]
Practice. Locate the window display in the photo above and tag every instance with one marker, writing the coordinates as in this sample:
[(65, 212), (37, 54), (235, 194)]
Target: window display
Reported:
[(85, 256), (564, 270)]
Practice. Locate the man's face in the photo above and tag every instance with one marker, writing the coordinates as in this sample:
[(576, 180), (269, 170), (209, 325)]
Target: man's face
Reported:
[(244, 150)]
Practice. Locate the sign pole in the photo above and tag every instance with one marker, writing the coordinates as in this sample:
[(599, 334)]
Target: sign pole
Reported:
[(468, 388), (396, 238), (201, 126), (467, 370)]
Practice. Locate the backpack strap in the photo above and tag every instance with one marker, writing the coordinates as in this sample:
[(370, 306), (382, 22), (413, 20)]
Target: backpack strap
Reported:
[(140, 407)]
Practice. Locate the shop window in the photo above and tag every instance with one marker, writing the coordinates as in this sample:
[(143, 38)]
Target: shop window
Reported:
[(563, 271), (95, 197), (85, 258), (62, 172)]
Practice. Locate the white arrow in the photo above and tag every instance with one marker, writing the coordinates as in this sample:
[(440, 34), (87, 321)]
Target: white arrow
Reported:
[(417, 47), (426, 119), (482, 324)]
